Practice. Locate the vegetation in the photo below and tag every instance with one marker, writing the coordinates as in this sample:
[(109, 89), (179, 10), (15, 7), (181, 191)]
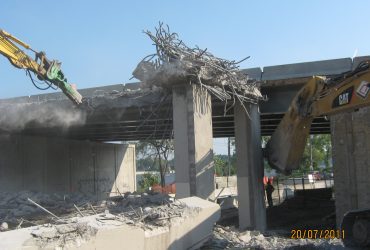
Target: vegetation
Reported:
[(321, 157), (147, 181), (221, 165), (155, 155)]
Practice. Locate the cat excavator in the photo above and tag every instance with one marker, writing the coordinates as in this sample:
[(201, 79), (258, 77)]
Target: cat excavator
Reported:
[(322, 96), (46, 70)]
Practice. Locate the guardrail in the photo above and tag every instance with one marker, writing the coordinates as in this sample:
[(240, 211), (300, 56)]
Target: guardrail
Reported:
[(286, 187)]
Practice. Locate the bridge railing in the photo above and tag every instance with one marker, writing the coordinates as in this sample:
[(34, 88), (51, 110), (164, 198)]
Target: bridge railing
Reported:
[(286, 187)]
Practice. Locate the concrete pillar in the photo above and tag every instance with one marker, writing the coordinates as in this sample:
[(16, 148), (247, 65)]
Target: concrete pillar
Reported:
[(249, 168), (193, 141), (350, 135)]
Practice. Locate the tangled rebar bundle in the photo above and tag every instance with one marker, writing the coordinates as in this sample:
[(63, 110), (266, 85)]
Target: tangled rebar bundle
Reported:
[(175, 63)]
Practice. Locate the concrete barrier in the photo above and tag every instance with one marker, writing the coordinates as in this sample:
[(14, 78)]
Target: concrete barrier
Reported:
[(253, 73), (307, 69)]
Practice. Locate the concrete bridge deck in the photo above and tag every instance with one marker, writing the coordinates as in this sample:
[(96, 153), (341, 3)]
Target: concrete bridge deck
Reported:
[(120, 114)]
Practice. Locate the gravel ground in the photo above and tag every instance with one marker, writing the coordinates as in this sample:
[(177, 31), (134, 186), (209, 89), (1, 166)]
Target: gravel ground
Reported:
[(231, 238), (295, 213)]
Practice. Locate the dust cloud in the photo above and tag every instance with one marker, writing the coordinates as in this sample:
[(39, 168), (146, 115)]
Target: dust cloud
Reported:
[(18, 116)]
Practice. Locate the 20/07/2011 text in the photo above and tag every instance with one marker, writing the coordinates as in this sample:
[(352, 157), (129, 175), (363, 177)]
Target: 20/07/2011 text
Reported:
[(316, 234)]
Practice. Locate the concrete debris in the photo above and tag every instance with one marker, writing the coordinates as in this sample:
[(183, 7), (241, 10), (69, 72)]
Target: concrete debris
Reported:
[(229, 237), (147, 211), (4, 227), (15, 205), (63, 236), (148, 221), (44, 209), (143, 210), (176, 63)]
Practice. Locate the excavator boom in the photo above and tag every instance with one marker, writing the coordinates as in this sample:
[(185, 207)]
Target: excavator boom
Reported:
[(45, 70), (318, 97), (321, 97)]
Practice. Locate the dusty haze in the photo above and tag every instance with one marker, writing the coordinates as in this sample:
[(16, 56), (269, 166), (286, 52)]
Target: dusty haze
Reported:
[(17, 116)]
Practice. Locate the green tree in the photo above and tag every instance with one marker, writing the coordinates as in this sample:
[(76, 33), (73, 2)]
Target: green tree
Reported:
[(321, 154), (221, 165), (147, 181), (157, 154), (146, 164)]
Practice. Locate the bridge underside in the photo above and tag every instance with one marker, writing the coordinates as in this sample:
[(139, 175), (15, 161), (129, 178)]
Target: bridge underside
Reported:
[(126, 112), (142, 123), (137, 115)]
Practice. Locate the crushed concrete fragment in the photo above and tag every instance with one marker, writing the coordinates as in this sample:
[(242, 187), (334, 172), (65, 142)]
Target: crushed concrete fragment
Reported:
[(230, 237), (14, 206), (73, 234), (4, 226)]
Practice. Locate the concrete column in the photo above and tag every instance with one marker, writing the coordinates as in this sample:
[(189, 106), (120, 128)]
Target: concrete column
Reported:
[(249, 168), (193, 139), (350, 135)]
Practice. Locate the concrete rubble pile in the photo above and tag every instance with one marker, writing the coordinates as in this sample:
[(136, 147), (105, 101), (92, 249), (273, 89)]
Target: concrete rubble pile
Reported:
[(60, 221), (175, 63), (63, 236), (147, 210), (232, 238), (15, 207)]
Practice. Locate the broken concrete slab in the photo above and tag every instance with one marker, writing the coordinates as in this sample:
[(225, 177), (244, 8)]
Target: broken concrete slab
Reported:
[(100, 231)]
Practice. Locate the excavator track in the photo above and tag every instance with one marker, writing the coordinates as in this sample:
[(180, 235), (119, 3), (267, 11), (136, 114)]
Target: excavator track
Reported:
[(356, 228)]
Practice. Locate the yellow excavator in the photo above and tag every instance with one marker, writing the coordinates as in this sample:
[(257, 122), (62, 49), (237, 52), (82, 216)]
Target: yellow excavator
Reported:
[(322, 96), (47, 71)]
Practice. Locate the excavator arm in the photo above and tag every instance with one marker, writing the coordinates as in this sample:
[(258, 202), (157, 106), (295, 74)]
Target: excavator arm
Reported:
[(320, 96), (45, 70), (323, 97)]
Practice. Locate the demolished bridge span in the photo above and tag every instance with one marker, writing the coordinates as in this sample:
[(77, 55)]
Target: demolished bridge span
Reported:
[(128, 112)]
